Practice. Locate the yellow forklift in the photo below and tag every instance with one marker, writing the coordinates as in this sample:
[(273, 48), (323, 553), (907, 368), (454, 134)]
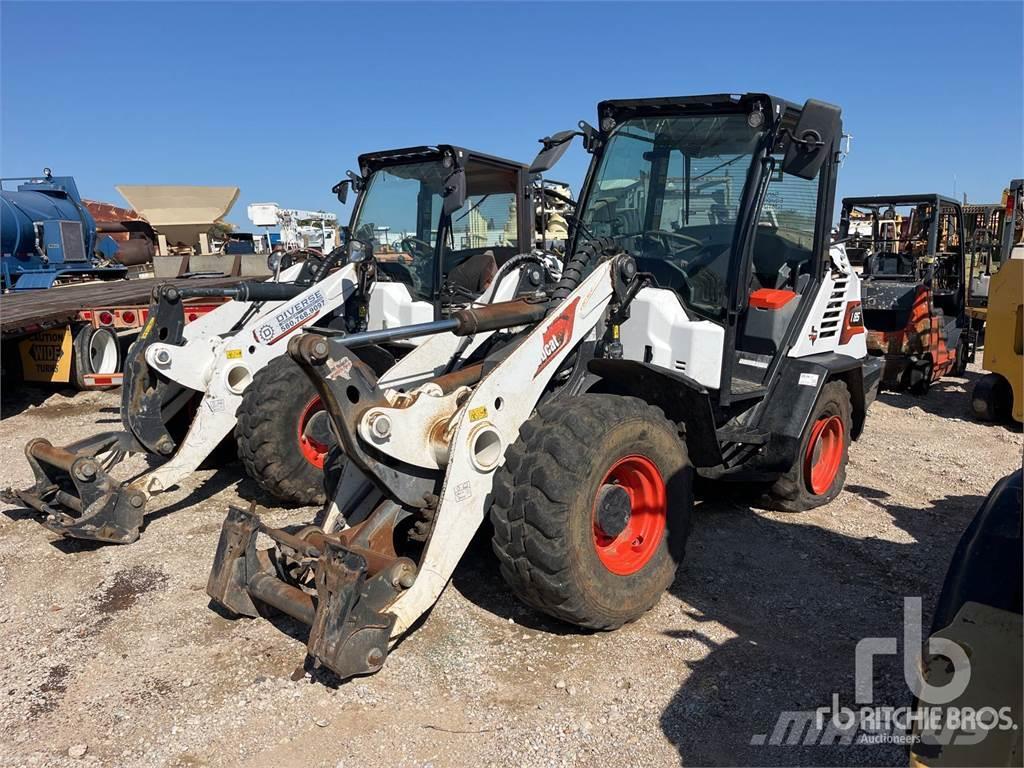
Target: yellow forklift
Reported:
[(999, 394)]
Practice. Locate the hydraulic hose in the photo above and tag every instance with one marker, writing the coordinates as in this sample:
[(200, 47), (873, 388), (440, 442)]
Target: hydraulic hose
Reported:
[(330, 262)]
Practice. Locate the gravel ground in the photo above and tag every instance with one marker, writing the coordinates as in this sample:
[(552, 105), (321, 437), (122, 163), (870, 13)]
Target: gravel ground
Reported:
[(112, 655)]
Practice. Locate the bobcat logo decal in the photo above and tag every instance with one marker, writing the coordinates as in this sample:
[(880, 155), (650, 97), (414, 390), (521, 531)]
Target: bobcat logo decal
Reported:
[(557, 335)]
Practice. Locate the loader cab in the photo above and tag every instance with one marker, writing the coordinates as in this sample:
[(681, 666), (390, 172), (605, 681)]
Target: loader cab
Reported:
[(730, 218), (439, 221)]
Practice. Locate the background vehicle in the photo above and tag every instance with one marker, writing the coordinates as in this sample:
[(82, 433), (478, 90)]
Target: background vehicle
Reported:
[(187, 388), (687, 333), (914, 287), (48, 234), (992, 233), (999, 394)]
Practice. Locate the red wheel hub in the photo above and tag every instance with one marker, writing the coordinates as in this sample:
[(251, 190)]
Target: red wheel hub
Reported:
[(824, 454), (312, 450), (639, 533)]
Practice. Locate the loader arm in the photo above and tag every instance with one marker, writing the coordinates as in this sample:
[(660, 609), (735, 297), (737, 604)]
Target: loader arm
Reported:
[(487, 424)]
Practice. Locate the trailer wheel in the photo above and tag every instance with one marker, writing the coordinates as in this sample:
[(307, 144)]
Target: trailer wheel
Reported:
[(819, 472), (93, 350), (992, 398), (277, 440), (591, 509)]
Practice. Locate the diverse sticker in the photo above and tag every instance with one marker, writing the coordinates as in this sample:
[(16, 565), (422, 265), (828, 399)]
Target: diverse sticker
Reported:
[(809, 379), (233, 354), (557, 335), (290, 317), (149, 327), (478, 413)]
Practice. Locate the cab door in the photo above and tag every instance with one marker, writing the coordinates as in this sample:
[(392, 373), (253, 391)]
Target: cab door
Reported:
[(787, 258)]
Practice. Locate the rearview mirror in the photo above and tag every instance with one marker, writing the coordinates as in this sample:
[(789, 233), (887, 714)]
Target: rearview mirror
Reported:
[(554, 146), (341, 190), (812, 139), (454, 193)]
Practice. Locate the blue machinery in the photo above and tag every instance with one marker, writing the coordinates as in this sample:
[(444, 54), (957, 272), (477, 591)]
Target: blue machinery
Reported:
[(46, 233)]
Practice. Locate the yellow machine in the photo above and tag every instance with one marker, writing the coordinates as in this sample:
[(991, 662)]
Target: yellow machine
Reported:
[(1000, 393)]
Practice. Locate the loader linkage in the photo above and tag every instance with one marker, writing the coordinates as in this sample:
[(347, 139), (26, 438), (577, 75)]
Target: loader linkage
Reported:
[(356, 578)]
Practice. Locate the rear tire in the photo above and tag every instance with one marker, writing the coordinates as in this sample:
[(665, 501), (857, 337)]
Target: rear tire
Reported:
[(93, 350), (819, 472), (922, 382), (551, 549), (269, 434), (992, 398)]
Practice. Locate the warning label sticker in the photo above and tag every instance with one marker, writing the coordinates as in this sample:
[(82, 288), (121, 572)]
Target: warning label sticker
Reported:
[(46, 356), (289, 317)]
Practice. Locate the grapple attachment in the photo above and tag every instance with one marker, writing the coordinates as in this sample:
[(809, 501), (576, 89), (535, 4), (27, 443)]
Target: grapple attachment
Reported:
[(77, 495)]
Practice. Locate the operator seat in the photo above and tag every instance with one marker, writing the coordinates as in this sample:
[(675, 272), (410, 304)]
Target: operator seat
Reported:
[(888, 264), (475, 273)]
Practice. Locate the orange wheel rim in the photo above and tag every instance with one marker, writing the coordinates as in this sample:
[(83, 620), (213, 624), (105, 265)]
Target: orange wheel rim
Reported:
[(312, 450), (824, 454), (630, 549)]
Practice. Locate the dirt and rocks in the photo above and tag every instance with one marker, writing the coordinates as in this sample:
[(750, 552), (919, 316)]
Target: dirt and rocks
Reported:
[(113, 656)]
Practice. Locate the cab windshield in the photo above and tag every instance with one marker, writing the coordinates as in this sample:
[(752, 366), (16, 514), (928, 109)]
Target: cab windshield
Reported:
[(399, 214), (668, 191)]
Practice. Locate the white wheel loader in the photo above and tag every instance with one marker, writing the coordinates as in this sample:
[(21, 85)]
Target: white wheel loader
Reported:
[(433, 229), (689, 333)]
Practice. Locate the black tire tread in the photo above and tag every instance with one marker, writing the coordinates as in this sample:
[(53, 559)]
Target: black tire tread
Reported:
[(787, 493), (260, 442), (544, 469)]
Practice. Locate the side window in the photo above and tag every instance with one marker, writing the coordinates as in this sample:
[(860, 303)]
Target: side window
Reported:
[(783, 251), (486, 221)]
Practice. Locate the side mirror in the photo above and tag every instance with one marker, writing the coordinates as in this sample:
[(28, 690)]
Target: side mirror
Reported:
[(809, 143), (341, 190), (554, 147), (454, 192)]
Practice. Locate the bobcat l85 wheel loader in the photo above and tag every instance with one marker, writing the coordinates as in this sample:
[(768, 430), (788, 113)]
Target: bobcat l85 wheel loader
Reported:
[(420, 244), (702, 324)]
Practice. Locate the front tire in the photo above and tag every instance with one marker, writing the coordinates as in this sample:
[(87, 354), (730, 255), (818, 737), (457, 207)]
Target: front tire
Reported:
[(275, 443), (591, 509), (819, 472), (992, 398)]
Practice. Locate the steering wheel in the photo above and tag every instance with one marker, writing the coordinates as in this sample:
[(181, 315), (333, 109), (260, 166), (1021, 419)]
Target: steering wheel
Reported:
[(422, 267), (664, 236), (417, 247)]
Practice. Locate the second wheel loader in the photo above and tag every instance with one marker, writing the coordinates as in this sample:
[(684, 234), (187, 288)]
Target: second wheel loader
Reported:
[(689, 333), (433, 229)]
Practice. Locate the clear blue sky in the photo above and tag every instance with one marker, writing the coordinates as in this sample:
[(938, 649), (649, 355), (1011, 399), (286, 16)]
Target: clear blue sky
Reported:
[(279, 99)]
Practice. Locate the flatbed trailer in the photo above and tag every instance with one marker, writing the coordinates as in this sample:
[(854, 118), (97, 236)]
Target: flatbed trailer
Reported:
[(54, 327)]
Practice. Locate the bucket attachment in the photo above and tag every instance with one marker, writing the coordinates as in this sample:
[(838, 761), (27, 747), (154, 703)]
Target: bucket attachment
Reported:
[(355, 577), (76, 493)]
